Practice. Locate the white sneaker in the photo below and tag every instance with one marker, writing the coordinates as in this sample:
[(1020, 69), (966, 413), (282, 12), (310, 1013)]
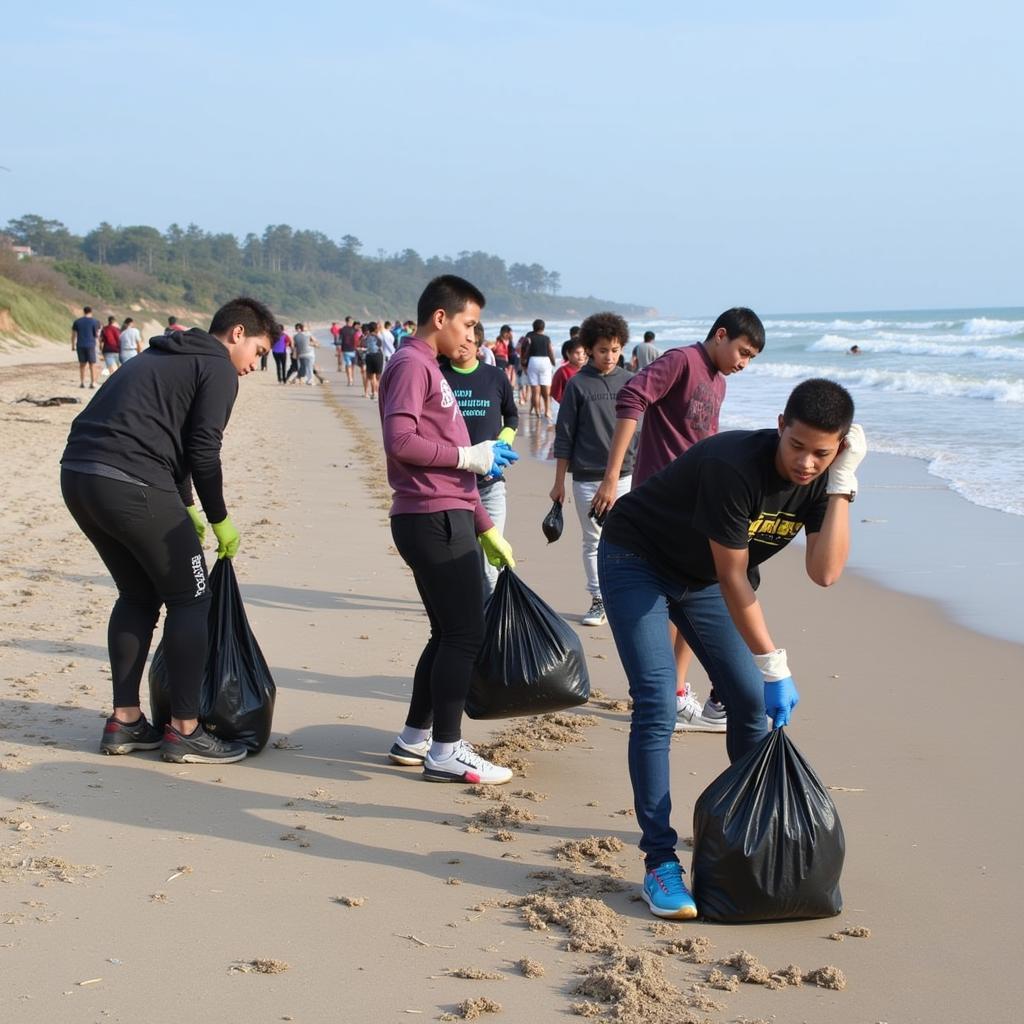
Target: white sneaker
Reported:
[(409, 754), (691, 715), (596, 615), (465, 765)]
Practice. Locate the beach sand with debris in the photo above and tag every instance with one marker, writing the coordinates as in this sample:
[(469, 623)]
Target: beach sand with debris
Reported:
[(316, 882)]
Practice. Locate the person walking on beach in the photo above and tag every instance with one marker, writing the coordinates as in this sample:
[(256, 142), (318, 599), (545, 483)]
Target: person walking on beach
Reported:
[(679, 396), (540, 365), (348, 350), (110, 339), (280, 352), (173, 326), (373, 359), (336, 341), (488, 405), (645, 353), (575, 356), (685, 547), (132, 457), (583, 434), (437, 519), (84, 332), (305, 353), (130, 340), (387, 341)]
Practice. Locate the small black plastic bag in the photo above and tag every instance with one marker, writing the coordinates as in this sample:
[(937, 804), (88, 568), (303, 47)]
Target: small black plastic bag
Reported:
[(236, 701), (552, 523), (531, 662), (767, 841)]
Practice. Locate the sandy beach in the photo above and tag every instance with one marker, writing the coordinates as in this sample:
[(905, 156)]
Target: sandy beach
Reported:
[(318, 883)]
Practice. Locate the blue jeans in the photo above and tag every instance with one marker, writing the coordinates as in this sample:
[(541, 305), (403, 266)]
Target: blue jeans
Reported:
[(639, 603), (493, 500)]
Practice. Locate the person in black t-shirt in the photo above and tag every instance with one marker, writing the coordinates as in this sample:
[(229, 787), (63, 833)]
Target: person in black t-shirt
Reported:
[(133, 455), (539, 359), (685, 547)]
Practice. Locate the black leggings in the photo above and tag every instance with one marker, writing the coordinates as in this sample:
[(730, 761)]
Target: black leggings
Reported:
[(281, 359), (148, 544), (442, 551)]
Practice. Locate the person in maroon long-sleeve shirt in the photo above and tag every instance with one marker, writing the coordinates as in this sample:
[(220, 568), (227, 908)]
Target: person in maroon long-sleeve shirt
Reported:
[(680, 396), (437, 519)]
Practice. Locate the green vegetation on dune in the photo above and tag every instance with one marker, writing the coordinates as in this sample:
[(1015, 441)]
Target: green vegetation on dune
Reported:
[(27, 312), (300, 274)]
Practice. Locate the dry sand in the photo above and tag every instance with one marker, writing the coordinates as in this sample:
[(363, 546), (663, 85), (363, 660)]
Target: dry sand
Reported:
[(315, 882)]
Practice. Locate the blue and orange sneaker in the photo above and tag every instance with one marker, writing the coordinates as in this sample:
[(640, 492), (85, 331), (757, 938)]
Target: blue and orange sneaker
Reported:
[(666, 893)]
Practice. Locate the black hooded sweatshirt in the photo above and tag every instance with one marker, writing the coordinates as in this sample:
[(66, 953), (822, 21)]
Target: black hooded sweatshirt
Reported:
[(161, 418)]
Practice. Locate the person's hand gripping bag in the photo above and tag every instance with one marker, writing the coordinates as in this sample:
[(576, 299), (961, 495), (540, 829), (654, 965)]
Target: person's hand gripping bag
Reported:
[(531, 661), (552, 524), (768, 844), (236, 700)]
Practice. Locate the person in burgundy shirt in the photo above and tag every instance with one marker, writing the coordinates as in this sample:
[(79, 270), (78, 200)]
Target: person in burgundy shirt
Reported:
[(110, 337), (680, 397), (436, 520)]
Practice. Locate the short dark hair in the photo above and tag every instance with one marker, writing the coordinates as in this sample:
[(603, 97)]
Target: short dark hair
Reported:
[(128, 320), (299, 327), (87, 309), (740, 321), (568, 346), (573, 331), (111, 319), (648, 336), (822, 404), (504, 328), (539, 325), (171, 320), (256, 320), (603, 325), (450, 293)]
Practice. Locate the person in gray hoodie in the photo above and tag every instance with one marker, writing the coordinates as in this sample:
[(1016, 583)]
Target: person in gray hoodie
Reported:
[(583, 437)]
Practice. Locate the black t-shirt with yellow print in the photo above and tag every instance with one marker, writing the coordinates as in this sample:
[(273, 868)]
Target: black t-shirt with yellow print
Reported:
[(726, 489)]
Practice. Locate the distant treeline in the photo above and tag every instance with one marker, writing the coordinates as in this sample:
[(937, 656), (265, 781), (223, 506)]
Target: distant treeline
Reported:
[(297, 272)]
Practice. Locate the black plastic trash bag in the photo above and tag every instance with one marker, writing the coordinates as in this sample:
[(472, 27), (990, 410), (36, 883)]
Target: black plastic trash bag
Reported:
[(552, 524), (236, 701), (531, 662), (767, 841)]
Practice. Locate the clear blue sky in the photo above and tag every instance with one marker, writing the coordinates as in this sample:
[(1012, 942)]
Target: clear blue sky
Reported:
[(687, 155)]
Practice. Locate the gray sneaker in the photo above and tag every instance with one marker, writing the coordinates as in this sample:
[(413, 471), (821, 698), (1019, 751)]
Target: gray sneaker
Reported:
[(692, 716), (596, 615), (199, 748)]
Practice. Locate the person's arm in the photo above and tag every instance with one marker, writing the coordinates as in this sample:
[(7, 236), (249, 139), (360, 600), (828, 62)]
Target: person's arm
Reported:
[(74, 338), (551, 354), (604, 496), (402, 408), (211, 410), (828, 549), (509, 411), (557, 493), (744, 608)]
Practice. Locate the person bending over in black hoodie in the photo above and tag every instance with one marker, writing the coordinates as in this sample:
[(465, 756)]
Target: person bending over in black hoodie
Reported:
[(152, 432)]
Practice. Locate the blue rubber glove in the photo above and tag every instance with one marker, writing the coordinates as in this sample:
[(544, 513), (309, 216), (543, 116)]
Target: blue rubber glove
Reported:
[(780, 697), (504, 455)]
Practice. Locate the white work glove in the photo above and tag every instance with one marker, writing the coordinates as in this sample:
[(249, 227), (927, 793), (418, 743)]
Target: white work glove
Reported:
[(842, 474), (478, 458)]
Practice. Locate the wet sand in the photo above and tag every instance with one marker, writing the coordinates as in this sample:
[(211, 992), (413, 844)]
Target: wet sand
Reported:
[(316, 882)]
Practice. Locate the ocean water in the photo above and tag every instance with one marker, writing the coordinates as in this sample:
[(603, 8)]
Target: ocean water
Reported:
[(944, 386)]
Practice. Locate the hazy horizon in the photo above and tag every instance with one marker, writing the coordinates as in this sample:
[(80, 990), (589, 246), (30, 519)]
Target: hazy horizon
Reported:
[(686, 160)]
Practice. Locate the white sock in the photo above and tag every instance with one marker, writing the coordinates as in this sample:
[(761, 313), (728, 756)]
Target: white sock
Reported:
[(413, 737), (442, 751)]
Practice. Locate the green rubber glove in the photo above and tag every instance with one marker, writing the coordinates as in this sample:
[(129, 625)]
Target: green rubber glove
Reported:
[(497, 550), (197, 522), (508, 435), (228, 538)]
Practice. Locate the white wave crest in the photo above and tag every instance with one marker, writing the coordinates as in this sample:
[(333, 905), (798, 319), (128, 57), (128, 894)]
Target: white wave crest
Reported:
[(939, 385), (918, 345), (985, 325)]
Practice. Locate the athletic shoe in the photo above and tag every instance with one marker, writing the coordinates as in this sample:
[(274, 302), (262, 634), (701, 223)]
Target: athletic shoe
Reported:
[(199, 748), (690, 716), (412, 754), (596, 616), (714, 712), (465, 765), (666, 894), (119, 738)]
